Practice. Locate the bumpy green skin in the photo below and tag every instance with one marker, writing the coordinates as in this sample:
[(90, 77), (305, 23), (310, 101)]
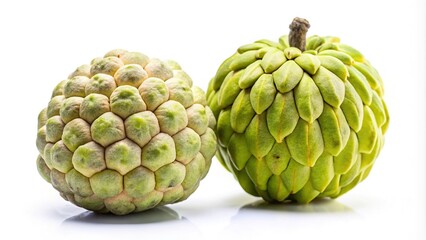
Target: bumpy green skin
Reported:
[(295, 125), (125, 134)]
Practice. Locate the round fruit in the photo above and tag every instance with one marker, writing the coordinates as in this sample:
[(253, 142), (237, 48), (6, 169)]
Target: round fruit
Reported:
[(298, 120), (126, 133)]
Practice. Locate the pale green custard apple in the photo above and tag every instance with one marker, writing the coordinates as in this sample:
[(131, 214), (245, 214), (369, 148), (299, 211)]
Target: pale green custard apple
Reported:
[(298, 119), (126, 133)]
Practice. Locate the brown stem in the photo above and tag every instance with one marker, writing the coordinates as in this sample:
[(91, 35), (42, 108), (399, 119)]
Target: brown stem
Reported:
[(298, 29)]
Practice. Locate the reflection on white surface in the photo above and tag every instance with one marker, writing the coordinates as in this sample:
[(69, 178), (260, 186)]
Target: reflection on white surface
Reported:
[(317, 207), (156, 215), (161, 221), (289, 219)]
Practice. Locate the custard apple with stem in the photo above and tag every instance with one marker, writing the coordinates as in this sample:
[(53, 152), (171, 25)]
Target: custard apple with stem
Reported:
[(298, 119)]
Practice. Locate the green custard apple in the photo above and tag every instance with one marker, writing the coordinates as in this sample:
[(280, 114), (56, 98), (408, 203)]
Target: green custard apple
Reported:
[(126, 133), (298, 119)]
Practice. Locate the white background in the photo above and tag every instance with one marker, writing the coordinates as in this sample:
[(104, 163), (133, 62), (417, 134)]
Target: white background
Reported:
[(41, 42)]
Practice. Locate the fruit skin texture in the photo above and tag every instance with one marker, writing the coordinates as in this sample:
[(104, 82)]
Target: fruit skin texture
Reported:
[(296, 126), (125, 133)]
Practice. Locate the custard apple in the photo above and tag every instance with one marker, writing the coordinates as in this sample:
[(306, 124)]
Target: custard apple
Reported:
[(298, 119), (125, 133)]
